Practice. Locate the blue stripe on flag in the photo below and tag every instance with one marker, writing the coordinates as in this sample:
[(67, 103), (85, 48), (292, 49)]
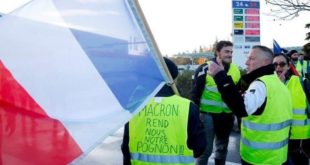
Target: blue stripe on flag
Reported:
[(130, 77), (122, 56)]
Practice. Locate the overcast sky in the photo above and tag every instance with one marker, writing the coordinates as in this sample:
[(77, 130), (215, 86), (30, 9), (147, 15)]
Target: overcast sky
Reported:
[(184, 25), (180, 25)]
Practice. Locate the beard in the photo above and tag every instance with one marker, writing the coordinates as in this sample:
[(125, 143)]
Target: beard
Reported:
[(226, 64)]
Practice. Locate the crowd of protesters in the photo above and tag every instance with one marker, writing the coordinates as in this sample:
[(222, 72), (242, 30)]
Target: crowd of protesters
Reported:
[(271, 100)]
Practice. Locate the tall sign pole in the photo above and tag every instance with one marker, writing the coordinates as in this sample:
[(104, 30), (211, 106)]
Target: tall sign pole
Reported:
[(246, 28)]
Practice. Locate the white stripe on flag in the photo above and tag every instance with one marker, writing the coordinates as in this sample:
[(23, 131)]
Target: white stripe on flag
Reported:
[(90, 66), (79, 81)]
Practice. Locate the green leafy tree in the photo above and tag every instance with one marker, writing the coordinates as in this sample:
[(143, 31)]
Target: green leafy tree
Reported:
[(184, 83), (214, 44)]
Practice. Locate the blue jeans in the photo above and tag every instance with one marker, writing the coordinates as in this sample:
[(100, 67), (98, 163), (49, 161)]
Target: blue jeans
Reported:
[(217, 128)]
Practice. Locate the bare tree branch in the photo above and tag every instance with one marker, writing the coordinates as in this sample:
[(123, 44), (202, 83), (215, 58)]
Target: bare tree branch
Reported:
[(288, 9), (308, 34)]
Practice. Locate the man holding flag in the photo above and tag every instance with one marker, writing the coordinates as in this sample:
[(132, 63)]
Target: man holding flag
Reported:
[(166, 131)]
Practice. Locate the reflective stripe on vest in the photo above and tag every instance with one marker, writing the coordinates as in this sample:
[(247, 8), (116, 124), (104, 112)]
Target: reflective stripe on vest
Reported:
[(265, 146), (212, 89), (301, 122), (162, 158), (211, 100), (299, 111), (266, 127), (213, 103)]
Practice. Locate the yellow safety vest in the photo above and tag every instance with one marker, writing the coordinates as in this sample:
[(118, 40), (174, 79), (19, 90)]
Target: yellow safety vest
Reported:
[(301, 124), (299, 67), (211, 99), (158, 134), (302, 67), (264, 138)]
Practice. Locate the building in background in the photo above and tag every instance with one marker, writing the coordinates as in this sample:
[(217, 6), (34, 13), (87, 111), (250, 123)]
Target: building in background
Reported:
[(192, 58), (191, 61)]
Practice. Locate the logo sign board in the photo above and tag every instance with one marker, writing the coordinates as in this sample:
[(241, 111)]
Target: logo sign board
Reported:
[(246, 28)]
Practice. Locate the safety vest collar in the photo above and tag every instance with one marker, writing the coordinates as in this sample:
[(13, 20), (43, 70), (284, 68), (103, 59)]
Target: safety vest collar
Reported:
[(213, 103)]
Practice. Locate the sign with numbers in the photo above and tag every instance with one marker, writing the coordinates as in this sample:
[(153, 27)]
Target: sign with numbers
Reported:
[(246, 28), (245, 4)]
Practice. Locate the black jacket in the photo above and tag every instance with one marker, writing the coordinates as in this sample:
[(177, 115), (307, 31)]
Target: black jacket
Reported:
[(232, 94), (195, 132), (199, 82)]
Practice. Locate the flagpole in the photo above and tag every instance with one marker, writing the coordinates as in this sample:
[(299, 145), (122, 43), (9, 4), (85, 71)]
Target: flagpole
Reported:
[(156, 49)]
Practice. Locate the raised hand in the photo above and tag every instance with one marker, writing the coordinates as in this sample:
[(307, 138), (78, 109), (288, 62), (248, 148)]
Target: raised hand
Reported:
[(215, 67), (282, 75)]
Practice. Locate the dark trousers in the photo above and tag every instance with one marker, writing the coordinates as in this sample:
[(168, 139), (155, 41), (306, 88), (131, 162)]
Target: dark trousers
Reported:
[(217, 128), (299, 152)]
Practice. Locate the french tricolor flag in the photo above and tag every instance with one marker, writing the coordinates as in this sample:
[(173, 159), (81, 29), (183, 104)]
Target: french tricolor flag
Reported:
[(71, 73)]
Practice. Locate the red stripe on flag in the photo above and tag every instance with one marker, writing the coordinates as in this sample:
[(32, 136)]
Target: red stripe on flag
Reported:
[(293, 69), (27, 134)]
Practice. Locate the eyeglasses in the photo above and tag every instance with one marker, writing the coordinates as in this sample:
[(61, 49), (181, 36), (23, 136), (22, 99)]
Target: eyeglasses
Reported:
[(281, 64)]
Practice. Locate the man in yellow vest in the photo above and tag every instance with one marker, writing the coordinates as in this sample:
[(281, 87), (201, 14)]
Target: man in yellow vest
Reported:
[(299, 143), (265, 108), (305, 64), (217, 118), (294, 56), (298, 62), (166, 131)]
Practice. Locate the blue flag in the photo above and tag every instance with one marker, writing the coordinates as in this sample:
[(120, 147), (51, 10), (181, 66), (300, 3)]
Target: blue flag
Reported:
[(276, 48)]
